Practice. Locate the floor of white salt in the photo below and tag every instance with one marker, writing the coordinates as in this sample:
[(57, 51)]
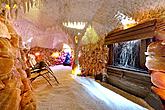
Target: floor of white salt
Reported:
[(77, 93)]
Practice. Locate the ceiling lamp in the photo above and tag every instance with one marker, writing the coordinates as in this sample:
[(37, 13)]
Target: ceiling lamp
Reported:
[(75, 25), (126, 21)]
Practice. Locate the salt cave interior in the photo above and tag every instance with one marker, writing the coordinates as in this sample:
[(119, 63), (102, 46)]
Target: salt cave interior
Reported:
[(82, 54)]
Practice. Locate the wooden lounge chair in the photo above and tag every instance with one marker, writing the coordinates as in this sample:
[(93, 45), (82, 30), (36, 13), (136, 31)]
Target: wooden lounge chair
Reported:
[(42, 69)]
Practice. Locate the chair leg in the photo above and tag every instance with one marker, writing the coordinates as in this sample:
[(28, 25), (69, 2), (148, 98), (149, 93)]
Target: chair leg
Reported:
[(47, 74), (52, 73), (47, 80), (54, 77)]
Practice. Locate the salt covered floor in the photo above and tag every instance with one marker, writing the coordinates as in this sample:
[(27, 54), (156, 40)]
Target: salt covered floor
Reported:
[(77, 93)]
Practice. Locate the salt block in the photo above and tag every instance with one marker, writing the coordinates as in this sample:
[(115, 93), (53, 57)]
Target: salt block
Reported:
[(158, 79)]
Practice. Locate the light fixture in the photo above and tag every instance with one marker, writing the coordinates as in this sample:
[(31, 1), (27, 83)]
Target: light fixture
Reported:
[(37, 54), (76, 71), (75, 25), (66, 48), (126, 21), (30, 40), (55, 54)]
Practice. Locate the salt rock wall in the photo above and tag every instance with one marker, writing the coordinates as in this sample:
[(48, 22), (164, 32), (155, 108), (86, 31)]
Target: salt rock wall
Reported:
[(93, 58), (15, 89), (156, 63), (46, 54)]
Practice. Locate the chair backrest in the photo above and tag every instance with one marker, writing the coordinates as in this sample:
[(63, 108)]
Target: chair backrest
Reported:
[(42, 64), (32, 60)]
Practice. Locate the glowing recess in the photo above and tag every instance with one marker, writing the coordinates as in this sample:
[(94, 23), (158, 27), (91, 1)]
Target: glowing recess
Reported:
[(37, 54), (66, 48), (75, 25), (55, 54), (76, 70), (126, 21)]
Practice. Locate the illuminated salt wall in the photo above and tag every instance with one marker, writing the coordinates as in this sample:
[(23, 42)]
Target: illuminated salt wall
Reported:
[(47, 55), (93, 58), (15, 88), (155, 61)]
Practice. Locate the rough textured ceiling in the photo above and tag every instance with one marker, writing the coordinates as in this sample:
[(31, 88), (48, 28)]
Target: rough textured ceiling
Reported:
[(45, 22)]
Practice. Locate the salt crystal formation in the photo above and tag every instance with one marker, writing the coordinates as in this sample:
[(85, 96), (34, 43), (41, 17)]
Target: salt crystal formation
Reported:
[(93, 58), (156, 63), (15, 90)]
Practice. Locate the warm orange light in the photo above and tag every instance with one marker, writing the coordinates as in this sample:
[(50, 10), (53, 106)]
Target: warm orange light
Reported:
[(37, 54), (160, 92), (76, 39), (158, 79), (15, 6), (7, 7), (76, 70), (55, 54), (126, 21), (128, 26)]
